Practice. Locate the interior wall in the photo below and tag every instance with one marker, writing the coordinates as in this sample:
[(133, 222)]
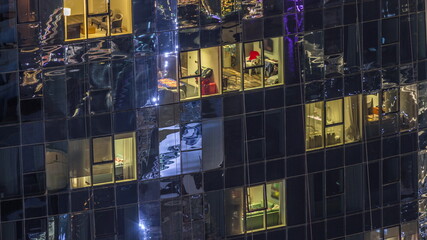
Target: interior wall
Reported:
[(123, 7), (193, 62), (76, 6)]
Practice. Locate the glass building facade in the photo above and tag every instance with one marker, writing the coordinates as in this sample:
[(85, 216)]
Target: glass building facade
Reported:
[(213, 119)]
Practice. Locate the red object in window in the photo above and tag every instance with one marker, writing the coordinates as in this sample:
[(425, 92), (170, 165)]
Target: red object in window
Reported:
[(253, 55), (209, 88)]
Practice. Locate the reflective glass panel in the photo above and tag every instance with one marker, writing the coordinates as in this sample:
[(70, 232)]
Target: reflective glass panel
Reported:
[(79, 152), (102, 149)]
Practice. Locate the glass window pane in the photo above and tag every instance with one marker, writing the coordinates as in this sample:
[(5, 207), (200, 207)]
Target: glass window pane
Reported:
[(252, 78), (392, 233), (372, 107), (98, 26), (253, 51), (334, 112), (255, 215), (276, 204), (352, 118), (75, 19), (102, 149), (253, 59), (102, 173), (273, 61), (373, 235), (189, 88), (125, 160), (234, 211), (409, 231), (334, 135), (231, 67), (210, 74), (79, 151), (408, 107), (10, 180), (27, 10), (97, 6), (314, 125), (121, 17), (256, 200), (371, 114), (189, 63), (57, 166), (390, 100)]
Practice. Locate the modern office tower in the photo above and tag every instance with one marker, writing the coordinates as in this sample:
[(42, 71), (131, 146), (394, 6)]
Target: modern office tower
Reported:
[(213, 119)]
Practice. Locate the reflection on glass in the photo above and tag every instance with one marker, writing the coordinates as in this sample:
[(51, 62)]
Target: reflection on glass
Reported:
[(56, 160), (169, 150), (255, 215), (79, 152), (409, 231), (390, 100), (102, 150), (234, 211), (373, 235), (228, 7), (408, 107), (273, 61), (231, 67), (275, 204), (75, 19), (352, 118), (253, 62), (125, 159), (189, 88), (314, 125), (252, 9), (210, 74), (59, 227), (392, 233), (188, 13)]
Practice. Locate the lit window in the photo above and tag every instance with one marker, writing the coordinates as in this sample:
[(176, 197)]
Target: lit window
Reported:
[(265, 206), (200, 73), (124, 161), (96, 18), (333, 122), (104, 168), (314, 125), (273, 61), (231, 67), (253, 65)]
